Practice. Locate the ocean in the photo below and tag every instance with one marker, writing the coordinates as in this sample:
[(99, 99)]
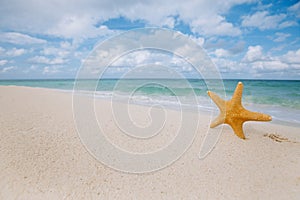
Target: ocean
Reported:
[(279, 98)]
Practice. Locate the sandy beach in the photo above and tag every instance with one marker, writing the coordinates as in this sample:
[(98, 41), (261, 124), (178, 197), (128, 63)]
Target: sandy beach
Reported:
[(42, 156)]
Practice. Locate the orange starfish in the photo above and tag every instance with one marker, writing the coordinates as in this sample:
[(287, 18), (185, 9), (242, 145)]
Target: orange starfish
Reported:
[(233, 113)]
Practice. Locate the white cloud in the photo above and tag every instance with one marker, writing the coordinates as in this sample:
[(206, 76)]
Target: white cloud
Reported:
[(3, 62), (253, 54), (280, 37), (257, 63), (214, 25), (19, 38), (232, 47), (222, 53), (32, 68), (66, 45), (52, 69), (272, 65), (79, 28), (53, 51), (295, 9), (142, 57), (82, 20), (199, 40), (168, 21), (78, 19), (7, 69), (263, 20), (227, 66), (45, 60), (261, 6), (286, 24), (14, 52), (292, 57), (2, 50), (63, 50)]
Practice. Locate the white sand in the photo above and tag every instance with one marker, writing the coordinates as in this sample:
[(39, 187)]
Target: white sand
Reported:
[(42, 157)]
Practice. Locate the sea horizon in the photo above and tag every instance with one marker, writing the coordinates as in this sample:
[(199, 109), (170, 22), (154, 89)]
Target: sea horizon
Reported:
[(116, 78)]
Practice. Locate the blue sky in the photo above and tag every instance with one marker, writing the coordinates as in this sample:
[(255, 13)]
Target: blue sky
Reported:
[(244, 38)]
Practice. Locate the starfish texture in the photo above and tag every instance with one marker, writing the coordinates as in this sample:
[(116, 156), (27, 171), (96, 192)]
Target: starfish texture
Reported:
[(233, 113)]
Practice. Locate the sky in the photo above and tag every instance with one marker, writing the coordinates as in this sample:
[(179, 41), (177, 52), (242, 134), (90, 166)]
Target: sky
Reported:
[(246, 39)]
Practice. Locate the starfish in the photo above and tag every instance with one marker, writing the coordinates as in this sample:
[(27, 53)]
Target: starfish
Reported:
[(233, 113)]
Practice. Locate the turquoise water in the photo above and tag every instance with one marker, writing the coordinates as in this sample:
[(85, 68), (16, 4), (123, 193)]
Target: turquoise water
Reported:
[(280, 98)]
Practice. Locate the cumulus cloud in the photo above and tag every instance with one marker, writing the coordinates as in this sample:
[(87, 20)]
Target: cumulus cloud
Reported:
[(81, 17), (31, 69), (292, 57), (59, 29), (150, 57), (14, 52), (46, 60), (261, 62), (3, 62), (52, 69), (222, 53), (147, 63), (79, 28), (270, 65), (234, 49), (134, 59), (258, 63), (295, 9), (254, 54), (216, 25), (133, 53), (263, 20), (7, 69), (53, 51), (199, 40)]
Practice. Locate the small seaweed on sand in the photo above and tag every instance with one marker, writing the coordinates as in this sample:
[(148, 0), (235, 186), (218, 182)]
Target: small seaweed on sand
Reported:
[(278, 138)]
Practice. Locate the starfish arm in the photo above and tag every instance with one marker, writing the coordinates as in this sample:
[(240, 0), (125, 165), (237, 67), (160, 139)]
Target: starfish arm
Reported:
[(233, 113), (237, 95), (219, 120), (256, 116), (218, 101), (238, 129)]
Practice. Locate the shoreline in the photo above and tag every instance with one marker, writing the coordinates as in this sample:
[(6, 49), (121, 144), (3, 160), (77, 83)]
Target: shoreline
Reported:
[(189, 108), (43, 157)]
